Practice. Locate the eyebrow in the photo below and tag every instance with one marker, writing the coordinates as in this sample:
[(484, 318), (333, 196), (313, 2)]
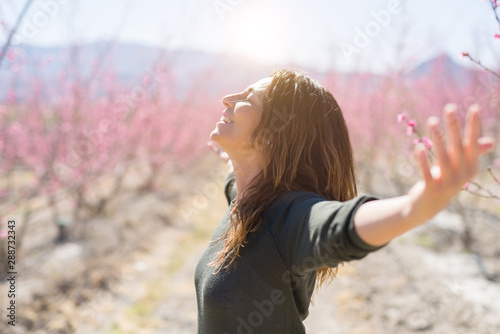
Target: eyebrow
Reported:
[(250, 91), (247, 92)]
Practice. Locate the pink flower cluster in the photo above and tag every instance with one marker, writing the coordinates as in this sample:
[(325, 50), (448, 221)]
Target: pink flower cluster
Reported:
[(401, 118), (426, 141), (411, 127), (410, 124)]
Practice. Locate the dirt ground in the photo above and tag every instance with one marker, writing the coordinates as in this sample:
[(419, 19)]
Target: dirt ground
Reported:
[(420, 282)]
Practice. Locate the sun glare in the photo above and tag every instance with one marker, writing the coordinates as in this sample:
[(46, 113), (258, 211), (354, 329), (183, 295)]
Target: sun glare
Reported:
[(260, 37)]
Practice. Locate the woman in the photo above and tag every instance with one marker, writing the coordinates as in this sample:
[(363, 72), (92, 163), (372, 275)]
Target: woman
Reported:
[(294, 214)]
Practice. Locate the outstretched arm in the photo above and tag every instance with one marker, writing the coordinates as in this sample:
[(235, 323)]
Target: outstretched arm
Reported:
[(378, 222)]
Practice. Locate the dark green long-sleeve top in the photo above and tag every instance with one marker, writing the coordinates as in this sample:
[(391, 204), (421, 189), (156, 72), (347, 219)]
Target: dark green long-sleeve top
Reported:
[(270, 287)]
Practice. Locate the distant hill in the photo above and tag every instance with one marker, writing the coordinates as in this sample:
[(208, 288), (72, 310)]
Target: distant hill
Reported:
[(440, 66), (130, 62)]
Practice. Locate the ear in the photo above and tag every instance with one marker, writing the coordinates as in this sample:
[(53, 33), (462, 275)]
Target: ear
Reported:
[(265, 137)]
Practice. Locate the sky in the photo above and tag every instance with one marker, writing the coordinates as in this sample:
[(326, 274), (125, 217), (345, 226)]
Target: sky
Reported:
[(376, 35)]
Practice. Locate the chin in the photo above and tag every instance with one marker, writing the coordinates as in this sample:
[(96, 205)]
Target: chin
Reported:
[(214, 135), (219, 139)]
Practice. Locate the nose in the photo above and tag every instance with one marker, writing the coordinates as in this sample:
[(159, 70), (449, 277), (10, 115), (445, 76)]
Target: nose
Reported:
[(229, 101)]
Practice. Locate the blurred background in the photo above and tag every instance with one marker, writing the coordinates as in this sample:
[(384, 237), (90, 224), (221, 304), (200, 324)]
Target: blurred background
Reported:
[(105, 113)]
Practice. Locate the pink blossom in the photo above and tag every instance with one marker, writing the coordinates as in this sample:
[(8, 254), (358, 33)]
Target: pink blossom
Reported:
[(411, 126), (427, 142), (464, 54), (465, 186), (401, 117), (11, 55), (497, 36), (416, 141)]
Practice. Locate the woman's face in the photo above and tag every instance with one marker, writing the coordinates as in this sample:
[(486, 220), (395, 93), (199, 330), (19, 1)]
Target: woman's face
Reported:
[(240, 118)]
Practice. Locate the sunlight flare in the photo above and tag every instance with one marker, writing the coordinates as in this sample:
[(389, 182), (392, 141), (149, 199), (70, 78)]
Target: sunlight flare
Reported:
[(259, 36)]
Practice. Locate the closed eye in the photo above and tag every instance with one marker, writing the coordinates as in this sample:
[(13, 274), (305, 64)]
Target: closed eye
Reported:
[(243, 100)]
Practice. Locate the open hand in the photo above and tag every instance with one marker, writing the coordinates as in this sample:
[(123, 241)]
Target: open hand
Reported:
[(457, 160)]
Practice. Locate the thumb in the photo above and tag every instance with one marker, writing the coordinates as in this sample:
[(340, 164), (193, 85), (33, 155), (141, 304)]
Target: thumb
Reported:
[(485, 144)]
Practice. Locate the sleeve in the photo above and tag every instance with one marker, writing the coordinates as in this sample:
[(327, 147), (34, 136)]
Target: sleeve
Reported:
[(230, 188), (310, 232)]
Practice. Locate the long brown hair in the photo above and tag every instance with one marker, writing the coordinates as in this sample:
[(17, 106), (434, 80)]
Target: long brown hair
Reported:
[(305, 146)]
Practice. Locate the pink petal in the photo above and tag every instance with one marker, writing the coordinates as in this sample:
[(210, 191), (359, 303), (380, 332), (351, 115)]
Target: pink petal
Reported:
[(427, 142)]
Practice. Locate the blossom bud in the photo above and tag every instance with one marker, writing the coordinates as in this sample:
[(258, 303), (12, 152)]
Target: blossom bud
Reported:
[(427, 142)]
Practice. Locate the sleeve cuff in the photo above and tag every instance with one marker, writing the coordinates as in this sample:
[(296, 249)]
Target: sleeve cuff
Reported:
[(353, 234)]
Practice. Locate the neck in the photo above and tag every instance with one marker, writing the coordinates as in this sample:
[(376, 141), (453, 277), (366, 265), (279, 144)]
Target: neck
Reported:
[(245, 171)]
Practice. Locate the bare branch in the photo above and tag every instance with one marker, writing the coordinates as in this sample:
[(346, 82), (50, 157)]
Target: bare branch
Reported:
[(466, 54), (13, 32), (494, 7), (493, 175), (481, 188)]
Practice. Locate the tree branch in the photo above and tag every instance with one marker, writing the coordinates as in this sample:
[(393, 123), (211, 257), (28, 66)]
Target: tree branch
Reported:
[(13, 32), (466, 54), (494, 7)]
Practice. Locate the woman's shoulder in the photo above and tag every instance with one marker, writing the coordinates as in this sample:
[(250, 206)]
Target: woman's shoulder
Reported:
[(299, 196), (305, 205), (294, 203)]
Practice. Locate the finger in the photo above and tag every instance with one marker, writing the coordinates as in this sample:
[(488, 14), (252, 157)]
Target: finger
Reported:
[(472, 132), (421, 154), (439, 145), (224, 156), (485, 144), (214, 147), (455, 145)]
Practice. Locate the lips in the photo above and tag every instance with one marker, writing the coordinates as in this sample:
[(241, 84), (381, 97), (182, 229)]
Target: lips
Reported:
[(226, 120)]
